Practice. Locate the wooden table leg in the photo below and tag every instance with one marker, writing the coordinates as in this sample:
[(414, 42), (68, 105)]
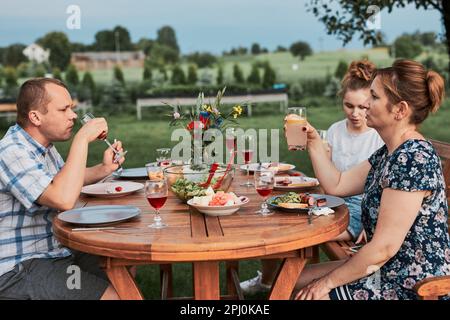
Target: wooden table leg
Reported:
[(206, 280), (286, 279), (165, 273), (233, 284), (124, 283)]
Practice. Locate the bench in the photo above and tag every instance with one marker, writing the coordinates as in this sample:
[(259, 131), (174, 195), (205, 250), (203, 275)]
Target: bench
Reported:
[(338, 250), (8, 109), (248, 100)]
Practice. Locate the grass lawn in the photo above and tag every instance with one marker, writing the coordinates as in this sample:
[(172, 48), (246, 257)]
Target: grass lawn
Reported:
[(316, 66), (141, 138)]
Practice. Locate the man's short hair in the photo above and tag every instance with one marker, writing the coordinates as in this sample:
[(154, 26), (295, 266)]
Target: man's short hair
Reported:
[(33, 96)]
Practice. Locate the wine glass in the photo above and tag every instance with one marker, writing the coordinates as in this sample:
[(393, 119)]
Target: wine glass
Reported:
[(117, 155), (231, 139), (264, 182), (163, 157), (156, 193), (248, 155)]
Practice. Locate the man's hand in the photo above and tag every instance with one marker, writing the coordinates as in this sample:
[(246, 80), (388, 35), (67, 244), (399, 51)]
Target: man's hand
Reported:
[(110, 162), (316, 290), (93, 129)]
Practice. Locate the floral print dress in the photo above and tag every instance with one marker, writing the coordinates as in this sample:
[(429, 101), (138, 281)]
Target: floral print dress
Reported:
[(425, 252)]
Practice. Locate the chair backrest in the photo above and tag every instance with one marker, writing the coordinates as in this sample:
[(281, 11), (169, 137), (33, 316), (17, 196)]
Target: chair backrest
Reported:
[(443, 151)]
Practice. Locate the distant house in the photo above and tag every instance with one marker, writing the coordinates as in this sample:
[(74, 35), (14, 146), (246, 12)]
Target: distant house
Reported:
[(107, 59), (35, 52)]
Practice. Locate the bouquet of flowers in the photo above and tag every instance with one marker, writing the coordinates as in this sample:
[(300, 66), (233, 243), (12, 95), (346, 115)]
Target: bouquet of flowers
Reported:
[(206, 116)]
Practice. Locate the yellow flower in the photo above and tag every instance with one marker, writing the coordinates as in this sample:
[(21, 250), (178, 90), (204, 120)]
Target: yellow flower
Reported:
[(235, 115), (237, 110)]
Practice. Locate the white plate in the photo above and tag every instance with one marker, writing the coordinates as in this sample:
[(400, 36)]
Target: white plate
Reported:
[(220, 210), (132, 173), (99, 215), (282, 167), (296, 182), (108, 189)]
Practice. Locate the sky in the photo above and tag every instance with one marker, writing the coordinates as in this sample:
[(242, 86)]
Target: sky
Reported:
[(200, 25)]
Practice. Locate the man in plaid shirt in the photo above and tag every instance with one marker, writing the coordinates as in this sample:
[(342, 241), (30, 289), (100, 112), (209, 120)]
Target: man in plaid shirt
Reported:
[(34, 184)]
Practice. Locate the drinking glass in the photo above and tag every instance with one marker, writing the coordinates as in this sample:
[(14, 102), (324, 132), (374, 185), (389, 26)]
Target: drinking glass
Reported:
[(264, 182), (163, 157), (247, 153), (295, 136), (117, 155), (323, 137), (231, 139), (154, 171), (156, 193)]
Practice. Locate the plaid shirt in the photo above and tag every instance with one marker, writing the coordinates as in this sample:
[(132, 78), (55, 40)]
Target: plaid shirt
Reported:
[(26, 170)]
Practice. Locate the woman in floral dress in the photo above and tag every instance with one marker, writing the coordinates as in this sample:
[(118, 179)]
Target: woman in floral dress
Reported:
[(404, 206)]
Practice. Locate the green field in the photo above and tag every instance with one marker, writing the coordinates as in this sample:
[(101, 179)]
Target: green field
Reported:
[(316, 66)]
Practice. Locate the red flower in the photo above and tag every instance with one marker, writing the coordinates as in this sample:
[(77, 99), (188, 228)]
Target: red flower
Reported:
[(204, 120)]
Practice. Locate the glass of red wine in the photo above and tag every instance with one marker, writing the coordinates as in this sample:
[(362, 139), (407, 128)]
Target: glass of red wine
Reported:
[(264, 182), (247, 154), (231, 140), (156, 193)]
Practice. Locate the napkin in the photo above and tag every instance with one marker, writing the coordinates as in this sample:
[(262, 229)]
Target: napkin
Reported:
[(322, 211)]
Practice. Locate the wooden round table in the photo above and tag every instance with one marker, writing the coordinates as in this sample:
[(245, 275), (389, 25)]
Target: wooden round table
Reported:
[(204, 241)]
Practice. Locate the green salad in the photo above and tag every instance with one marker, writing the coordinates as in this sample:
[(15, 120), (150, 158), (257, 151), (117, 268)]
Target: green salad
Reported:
[(186, 189), (290, 197)]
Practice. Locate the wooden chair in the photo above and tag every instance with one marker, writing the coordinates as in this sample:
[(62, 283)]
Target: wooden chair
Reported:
[(429, 288)]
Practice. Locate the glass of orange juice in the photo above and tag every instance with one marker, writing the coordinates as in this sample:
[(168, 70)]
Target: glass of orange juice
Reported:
[(295, 120)]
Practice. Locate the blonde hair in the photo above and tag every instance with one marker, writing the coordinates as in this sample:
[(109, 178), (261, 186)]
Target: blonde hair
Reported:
[(409, 81)]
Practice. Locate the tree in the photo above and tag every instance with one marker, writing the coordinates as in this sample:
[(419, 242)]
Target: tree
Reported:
[(341, 69), (39, 71), (219, 79), (166, 36), (13, 55), (178, 76), (10, 77), (347, 18), (161, 55), (145, 45), (72, 78), (60, 48), (88, 81), (192, 74), (57, 74), (237, 74), (202, 59), (87, 89), (281, 49), (254, 76), (269, 77), (106, 40), (147, 74), (300, 49), (256, 49), (405, 47), (118, 75)]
